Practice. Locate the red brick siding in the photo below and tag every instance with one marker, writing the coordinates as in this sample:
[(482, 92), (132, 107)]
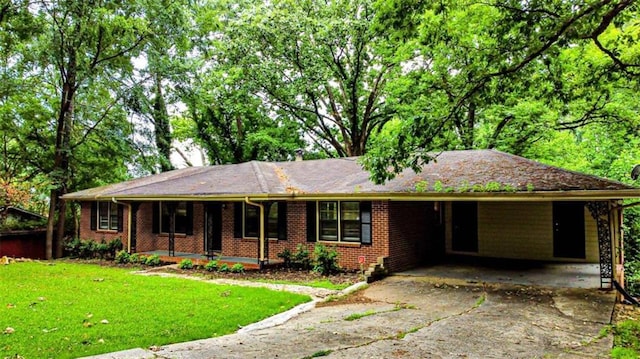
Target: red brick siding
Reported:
[(296, 234), (408, 227), (148, 241), (99, 235)]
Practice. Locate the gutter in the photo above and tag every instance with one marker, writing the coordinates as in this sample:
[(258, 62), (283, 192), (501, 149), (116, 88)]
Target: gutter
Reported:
[(261, 258), (129, 218)]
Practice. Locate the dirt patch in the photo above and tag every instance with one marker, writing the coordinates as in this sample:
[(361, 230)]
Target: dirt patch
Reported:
[(357, 297), (624, 312)]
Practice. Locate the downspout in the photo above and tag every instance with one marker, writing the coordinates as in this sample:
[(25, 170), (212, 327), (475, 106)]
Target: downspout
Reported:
[(261, 259), (113, 199)]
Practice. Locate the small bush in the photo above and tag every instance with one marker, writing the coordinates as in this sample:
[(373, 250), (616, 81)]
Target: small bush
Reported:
[(237, 268), (72, 247), (301, 257), (185, 264), (122, 257), (212, 266), (224, 268), (102, 249), (326, 260), (134, 258), (87, 249), (152, 260), (286, 257), (113, 247)]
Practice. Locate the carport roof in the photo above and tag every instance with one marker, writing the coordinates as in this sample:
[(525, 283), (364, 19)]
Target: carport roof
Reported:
[(452, 175)]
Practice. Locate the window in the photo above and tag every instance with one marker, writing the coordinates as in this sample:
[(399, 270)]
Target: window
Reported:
[(183, 218), (276, 225), (344, 221), (108, 216), (251, 221)]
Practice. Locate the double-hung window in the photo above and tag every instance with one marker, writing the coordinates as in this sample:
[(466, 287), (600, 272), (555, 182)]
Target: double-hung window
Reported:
[(344, 221), (247, 219), (181, 217), (108, 216)]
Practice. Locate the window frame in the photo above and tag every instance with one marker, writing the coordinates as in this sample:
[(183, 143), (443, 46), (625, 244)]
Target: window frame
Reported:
[(161, 218), (363, 222), (112, 217), (268, 221)]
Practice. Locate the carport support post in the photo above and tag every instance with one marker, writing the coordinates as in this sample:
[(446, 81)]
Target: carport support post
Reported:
[(600, 211)]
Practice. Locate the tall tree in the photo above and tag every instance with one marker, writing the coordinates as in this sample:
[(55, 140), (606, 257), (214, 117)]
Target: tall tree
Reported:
[(315, 61), (489, 66), (86, 43)]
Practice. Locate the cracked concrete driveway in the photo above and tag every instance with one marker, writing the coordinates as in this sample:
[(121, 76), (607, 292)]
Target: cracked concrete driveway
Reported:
[(410, 317)]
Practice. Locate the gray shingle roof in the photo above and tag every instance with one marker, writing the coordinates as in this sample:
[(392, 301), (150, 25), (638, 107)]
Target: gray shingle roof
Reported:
[(457, 173)]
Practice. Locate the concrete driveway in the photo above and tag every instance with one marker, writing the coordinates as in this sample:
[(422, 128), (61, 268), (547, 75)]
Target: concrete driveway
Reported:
[(414, 317)]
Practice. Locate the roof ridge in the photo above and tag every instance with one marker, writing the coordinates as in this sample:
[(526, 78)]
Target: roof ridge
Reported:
[(257, 171)]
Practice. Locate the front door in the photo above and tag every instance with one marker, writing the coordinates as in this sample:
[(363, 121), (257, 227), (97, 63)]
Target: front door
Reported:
[(568, 230), (213, 228)]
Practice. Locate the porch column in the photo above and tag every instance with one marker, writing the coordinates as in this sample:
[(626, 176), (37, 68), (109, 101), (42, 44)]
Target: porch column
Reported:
[(171, 208), (133, 226), (600, 211)]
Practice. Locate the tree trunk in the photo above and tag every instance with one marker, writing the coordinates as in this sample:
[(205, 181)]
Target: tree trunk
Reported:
[(162, 127)]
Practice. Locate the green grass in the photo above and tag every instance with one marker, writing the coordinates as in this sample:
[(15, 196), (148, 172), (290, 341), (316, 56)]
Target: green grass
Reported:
[(316, 283), (626, 340), (56, 309)]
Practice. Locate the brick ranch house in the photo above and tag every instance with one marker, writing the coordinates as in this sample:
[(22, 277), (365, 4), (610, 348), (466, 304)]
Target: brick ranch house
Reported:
[(482, 203)]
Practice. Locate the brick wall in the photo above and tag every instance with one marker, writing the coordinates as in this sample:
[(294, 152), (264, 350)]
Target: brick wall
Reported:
[(99, 235), (244, 247), (409, 227), (149, 241)]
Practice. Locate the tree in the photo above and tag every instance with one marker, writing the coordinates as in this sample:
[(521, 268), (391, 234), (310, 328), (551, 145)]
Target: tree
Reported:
[(82, 44), (482, 73), (314, 61)]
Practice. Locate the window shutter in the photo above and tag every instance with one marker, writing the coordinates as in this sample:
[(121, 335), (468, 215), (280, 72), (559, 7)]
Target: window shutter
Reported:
[(120, 218), (365, 222), (189, 229), (282, 221), (237, 220), (155, 223), (94, 216), (311, 221)]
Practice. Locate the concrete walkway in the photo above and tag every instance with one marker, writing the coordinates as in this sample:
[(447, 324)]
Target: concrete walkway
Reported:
[(414, 317)]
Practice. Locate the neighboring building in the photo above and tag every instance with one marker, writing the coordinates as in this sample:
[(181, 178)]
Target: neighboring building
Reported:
[(474, 203), (22, 233)]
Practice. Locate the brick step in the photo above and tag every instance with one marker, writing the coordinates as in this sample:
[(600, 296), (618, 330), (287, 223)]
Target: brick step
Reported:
[(376, 271)]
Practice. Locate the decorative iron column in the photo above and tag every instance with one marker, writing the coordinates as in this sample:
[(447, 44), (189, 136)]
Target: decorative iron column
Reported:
[(171, 208), (600, 212)]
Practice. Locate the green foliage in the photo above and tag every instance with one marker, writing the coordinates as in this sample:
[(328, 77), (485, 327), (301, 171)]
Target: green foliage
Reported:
[(301, 258), (626, 340), (185, 264), (224, 268), (13, 224), (113, 246), (421, 186), (325, 260), (152, 260), (102, 249), (134, 258), (122, 257), (73, 328), (211, 266), (286, 257), (237, 268)]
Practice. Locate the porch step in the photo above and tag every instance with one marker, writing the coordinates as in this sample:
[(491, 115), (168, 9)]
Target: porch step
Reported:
[(377, 271)]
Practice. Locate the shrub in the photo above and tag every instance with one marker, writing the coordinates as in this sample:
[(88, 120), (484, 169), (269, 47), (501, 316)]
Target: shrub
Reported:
[(286, 257), (134, 258), (301, 257), (87, 249), (212, 266), (224, 268), (72, 247), (113, 247), (325, 260), (185, 264), (122, 257), (237, 268), (152, 260), (101, 249)]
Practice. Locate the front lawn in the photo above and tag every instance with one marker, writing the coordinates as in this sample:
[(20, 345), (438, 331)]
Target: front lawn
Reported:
[(66, 310)]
